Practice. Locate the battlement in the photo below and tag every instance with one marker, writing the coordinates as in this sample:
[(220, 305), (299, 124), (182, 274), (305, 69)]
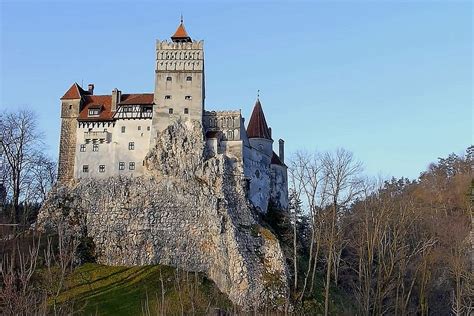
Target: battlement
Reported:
[(223, 113), (169, 45)]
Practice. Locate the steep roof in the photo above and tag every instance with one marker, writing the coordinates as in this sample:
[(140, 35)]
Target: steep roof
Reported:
[(276, 160), (181, 35), (74, 92), (258, 127), (105, 102)]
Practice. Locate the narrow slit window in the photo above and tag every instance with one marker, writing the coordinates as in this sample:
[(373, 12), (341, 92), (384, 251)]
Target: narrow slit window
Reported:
[(170, 110), (186, 111)]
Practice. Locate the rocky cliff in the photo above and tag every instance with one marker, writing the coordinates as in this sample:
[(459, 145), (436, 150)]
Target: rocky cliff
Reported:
[(189, 211)]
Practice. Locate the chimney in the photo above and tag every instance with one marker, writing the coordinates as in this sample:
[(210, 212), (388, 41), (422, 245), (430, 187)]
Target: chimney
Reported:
[(116, 97), (90, 88), (281, 148)]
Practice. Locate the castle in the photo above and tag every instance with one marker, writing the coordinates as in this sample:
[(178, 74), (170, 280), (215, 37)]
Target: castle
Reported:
[(110, 135)]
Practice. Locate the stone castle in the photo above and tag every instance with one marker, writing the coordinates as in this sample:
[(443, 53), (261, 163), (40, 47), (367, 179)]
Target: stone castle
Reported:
[(156, 179), (110, 135)]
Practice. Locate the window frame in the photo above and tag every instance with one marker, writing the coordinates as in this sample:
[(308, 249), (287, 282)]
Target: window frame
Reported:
[(95, 147), (82, 148), (121, 165), (131, 165), (101, 168), (131, 145), (93, 112), (85, 168)]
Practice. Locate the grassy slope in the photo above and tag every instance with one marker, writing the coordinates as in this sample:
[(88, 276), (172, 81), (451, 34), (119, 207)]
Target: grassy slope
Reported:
[(105, 290)]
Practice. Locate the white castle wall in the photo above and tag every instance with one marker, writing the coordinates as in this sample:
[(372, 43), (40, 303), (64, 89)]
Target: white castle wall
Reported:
[(114, 149)]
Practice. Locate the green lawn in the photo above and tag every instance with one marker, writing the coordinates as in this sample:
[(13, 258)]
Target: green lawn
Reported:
[(104, 290)]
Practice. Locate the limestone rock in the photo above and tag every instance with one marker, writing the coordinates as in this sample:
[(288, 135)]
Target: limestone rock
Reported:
[(187, 212)]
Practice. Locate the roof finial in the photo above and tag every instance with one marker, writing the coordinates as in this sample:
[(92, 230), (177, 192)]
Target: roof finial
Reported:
[(181, 18), (258, 93)]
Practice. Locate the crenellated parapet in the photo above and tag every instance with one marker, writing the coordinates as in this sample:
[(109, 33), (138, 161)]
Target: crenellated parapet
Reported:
[(181, 56)]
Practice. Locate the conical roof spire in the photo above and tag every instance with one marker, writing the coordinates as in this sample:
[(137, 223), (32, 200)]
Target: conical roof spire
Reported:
[(181, 35), (258, 127)]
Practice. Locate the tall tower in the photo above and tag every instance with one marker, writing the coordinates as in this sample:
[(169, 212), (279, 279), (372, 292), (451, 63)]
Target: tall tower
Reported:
[(70, 108), (179, 81)]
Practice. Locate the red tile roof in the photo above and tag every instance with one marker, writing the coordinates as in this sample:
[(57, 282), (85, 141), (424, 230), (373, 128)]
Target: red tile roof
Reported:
[(142, 98), (258, 127), (74, 92), (92, 101), (105, 101), (181, 34)]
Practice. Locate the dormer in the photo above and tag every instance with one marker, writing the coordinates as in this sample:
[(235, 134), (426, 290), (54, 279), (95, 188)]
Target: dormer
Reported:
[(94, 110)]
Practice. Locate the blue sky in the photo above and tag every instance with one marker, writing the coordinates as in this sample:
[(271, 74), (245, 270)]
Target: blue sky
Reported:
[(390, 81)]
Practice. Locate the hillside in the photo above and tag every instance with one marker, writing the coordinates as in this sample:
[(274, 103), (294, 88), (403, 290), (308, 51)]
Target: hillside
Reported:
[(104, 290)]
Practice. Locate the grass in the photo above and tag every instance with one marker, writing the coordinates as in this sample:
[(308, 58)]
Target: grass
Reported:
[(104, 290)]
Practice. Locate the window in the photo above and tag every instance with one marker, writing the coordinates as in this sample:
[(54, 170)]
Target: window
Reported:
[(186, 111), (189, 78), (127, 109), (188, 97), (95, 147), (123, 129), (131, 165), (148, 128), (170, 111), (121, 165), (85, 168), (70, 106), (167, 97), (83, 147), (168, 78), (94, 112), (101, 168), (147, 109), (131, 146), (139, 128)]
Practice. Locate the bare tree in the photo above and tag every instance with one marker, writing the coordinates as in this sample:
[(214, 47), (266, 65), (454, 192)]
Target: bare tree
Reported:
[(342, 177), (20, 141)]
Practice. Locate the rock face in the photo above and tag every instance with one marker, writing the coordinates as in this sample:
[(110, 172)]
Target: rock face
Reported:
[(188, 212)]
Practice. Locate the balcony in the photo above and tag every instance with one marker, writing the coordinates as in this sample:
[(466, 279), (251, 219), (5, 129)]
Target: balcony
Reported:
[(98, 135)]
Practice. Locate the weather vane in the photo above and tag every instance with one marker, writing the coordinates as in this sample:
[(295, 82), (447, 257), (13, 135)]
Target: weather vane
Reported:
[(258, 93)]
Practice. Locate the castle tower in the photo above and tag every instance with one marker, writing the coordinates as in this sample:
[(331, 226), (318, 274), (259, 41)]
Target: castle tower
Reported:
[(70, 107), (179, 81), (258, 132)]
